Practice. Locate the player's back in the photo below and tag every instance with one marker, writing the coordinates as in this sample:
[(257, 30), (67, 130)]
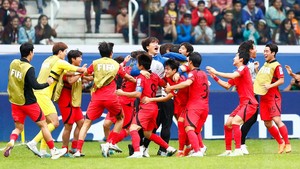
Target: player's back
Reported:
[(198, 90)]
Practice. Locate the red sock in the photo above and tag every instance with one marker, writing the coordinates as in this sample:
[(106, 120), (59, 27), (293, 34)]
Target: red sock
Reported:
[(135, 138), (181, 135), (67, 147), (121, 136), (237, 134), (275, 134), (13, 137), (158, 140), (200, 140), (50, 144), (284, 133), (79, 145), (74, 144), (192, 136), (112, 137), (228, 137)]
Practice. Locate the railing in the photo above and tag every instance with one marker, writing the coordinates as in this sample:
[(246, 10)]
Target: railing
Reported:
[(52, 13), (131, 16)]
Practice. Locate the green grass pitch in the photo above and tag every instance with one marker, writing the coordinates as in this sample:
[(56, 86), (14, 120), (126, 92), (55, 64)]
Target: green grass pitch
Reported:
[(262, 155)]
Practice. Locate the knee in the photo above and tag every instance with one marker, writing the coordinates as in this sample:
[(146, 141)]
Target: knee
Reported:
[(268, 124)]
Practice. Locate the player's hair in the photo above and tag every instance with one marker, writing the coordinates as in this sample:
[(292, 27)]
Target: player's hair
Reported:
[(175, 48), (173, 64), (195, 58), (164, 48), (135, 54), (188, 46), (25, 49), (200, 2), (105, 49), (145, 61), (119, 59), (273, 47), (147, 41), (245, 55), (246, 46), (73, 54), (59, 46)]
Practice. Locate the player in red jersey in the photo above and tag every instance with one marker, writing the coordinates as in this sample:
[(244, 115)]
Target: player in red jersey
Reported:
[(197, 106), (103, 97), (242, 80), (146, 117), (269, 77), (180, 100)]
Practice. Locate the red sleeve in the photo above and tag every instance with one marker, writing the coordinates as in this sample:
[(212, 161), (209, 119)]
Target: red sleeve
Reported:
[(278, 72), (162, 82), (191, 76), (121, 72), (90, 69), (241, 70)]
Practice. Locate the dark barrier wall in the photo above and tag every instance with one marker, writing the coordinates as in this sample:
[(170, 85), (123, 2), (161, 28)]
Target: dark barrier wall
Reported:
[(222, 62), (221, 104)]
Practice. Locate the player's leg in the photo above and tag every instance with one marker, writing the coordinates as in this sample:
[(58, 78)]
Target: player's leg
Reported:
[(181, 136), (135, 139), (82, 134), (228, 136), (106, 127), (79, 124), (13, 137), (275, 134), (236, 123), (283, 132)]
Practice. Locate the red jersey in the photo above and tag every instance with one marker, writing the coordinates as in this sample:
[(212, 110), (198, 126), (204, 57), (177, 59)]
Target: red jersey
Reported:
[(274, 91), (198, 90), (106, 92), (180, 96), (127, 86), (244, 85), (65, 96), (148, 88)]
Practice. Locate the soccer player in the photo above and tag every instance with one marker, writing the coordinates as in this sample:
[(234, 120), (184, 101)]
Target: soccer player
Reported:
[(53, 66), (248, 46), (180, 100), (269, 77), (241, 79), (68, 94), (197, 105), (103, 97), (21, 81), (146, 117)]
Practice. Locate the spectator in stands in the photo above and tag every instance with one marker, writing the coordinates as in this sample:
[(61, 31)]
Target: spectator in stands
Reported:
[(155, 19), (285, 34), (275, 15), (171, 9), (97, 5), (288, 4), (250, 33), (202, 12), (4, 12), (252, 13), (26, 32), (221, 5), (170, 33), (290, 14), (1, 32), (18, 9), (10, 33), (185, 31), (122, 26), (40, 4), (294, 84), (227, 31), (237, 13), (115, 6), (264, 32), (203, 33), (182, 10), (44, 34)]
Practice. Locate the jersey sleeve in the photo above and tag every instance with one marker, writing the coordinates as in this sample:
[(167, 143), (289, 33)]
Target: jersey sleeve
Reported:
[(278, 72), (67, 66), (90, 69), (139, 85), (191, 76), (121, 72)]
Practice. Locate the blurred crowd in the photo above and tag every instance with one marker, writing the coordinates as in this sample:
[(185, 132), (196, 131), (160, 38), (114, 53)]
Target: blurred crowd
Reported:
[(216, 21), (171, 21)]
